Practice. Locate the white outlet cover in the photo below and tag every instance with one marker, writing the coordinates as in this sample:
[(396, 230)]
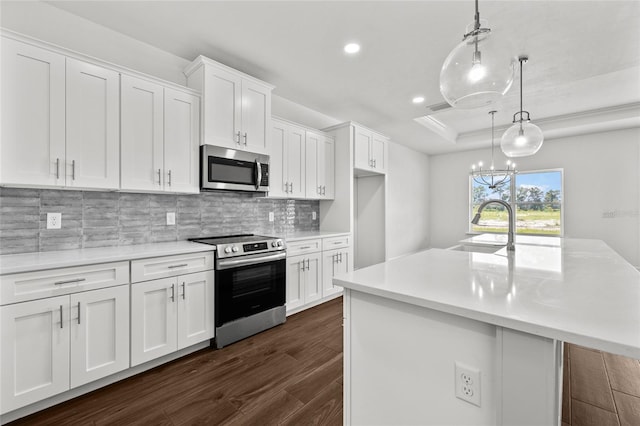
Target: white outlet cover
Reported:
[(171, 218), (314, 215), (54, 220), (271, 217), (467, 383)]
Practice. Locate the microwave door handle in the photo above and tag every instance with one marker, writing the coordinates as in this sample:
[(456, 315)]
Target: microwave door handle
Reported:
[(258, 174)]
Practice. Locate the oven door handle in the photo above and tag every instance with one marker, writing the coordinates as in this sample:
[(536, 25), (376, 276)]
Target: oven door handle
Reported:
[(249, 260)]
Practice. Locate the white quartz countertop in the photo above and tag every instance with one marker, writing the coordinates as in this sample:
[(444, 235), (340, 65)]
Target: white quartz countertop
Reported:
[(306, 235), (574, 290), (26, 262)]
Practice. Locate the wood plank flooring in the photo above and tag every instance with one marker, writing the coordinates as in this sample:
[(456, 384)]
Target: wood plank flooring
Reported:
[(600, 389), (288, 375), (292, 375)]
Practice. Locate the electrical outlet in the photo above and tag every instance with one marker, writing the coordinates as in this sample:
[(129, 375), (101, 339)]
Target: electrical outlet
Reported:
[(271, 217), (171, 218), (467, 382), (54, 220), (314, 215)]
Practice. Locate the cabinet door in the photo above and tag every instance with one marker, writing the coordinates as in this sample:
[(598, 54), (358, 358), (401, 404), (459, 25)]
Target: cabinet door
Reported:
[(278, 160), (326, 166), (362, 144), (296, 162), (256, 116), (295, 282), (195, 308), (313, 149), (222, 108), (35, 351), (334, 262), (141, 139), (99, 333), (32, 151), (181, 141), (379, 153), (313, 277), (93, 126), (153, 319)]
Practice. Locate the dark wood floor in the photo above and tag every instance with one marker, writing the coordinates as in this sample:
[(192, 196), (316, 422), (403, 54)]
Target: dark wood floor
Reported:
[(290, 375)]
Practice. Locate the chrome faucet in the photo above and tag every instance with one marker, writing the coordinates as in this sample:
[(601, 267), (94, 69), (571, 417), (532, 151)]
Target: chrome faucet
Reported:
[(512, 222)]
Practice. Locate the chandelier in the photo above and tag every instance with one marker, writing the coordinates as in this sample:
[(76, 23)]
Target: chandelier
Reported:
[(492, 177), (479, 70)]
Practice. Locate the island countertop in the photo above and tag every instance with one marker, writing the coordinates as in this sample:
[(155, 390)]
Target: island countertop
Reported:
[(574, 290)]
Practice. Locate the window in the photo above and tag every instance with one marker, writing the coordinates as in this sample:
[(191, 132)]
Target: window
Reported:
[(535, 196)]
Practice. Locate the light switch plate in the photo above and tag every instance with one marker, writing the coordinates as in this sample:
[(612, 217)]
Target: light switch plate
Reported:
[(54, 220), (171, 218)]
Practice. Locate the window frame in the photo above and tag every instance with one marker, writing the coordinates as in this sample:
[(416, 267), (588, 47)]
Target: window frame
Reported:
[(513, 203)]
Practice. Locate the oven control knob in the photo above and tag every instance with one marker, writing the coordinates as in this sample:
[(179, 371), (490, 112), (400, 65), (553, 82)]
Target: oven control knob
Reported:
[(227, 250), (273, 244), (279, 243), (235, 249)]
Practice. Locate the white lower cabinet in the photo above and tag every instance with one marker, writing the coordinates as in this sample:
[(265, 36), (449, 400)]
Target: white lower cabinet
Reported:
[(311, 266), (54, 344), (304, 280), (169, 314), (334, 262)]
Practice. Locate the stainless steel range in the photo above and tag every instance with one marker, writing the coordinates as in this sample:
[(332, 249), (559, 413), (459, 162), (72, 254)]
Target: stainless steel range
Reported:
[(250, 285)]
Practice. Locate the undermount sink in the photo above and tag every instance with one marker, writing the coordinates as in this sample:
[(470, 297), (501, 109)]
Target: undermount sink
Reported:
[(476, 248)]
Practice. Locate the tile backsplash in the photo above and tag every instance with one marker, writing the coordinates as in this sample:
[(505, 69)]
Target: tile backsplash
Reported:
[(99, 219)]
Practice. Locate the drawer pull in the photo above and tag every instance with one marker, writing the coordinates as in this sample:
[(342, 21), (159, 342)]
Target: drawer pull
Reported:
[(78, 312), (77, 280), (61, 323), (178, 266), (337, 242), (305, 247)]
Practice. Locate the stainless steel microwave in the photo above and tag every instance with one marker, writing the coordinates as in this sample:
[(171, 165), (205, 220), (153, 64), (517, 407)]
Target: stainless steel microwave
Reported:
[(234, 170)]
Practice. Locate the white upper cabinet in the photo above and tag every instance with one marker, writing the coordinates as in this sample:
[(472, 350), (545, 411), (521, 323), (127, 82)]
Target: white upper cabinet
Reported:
[(93, 126), (60, 128), (287, 160), (159, 137), (370, 150), (236, 108), (320, 166), (181, 141), (142, 134)]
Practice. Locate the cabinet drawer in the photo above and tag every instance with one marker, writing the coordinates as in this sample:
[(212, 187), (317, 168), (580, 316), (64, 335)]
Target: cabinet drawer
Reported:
[(169, 266), (336, 242), (55, 282), (303, 246)]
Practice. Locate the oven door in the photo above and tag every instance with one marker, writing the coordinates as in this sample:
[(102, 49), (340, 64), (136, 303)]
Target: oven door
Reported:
[(248, 285)]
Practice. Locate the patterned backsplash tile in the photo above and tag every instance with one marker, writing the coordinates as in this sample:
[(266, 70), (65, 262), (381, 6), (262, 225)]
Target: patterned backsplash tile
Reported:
[(100, 219)]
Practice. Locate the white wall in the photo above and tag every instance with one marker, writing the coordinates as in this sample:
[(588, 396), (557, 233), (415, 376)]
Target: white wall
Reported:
[(601, 179), (407, 201)]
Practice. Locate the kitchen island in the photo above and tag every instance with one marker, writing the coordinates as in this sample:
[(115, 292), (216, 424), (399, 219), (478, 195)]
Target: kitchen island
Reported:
[(414, 323)]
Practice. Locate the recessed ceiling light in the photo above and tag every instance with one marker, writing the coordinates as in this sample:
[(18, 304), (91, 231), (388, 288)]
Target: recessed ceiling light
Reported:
[(352, 48), (418, 100)]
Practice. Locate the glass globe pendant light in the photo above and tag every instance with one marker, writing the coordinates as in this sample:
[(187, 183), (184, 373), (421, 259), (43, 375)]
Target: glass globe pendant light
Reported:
[(478, 71), (523, 138)]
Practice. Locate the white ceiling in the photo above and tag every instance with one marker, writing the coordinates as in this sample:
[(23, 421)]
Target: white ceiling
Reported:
[(583, 73)]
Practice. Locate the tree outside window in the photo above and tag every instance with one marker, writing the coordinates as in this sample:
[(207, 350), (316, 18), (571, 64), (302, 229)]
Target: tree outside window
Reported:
[(535, 196)]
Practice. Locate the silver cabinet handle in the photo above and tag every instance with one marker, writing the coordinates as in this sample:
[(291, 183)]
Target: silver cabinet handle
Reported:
[(173, 292), (61, 323), (245, 138), (320, 190), (78, 312), (290, 187), (159, 177), (57, 168), (324, 190), (340, 257), (308, 264), (303, 267), (73, 169), (184, 290), (77, 280), (178, 266), (375, 163), (238, 139), (286, 187), (169, 177)]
